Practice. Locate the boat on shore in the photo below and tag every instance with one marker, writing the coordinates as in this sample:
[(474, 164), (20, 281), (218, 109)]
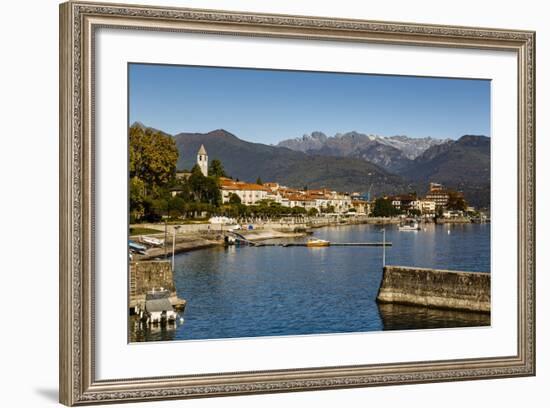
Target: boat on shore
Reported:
[(137, 248), (317, 242), (152, 241)]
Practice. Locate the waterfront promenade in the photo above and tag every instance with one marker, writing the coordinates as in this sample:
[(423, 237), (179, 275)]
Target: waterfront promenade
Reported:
[(287, 224)]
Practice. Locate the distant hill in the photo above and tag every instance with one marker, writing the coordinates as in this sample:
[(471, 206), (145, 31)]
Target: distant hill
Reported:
[(464, 164), (392, 153), (248, 161)]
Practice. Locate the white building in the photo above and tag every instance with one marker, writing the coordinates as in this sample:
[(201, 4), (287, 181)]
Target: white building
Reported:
[(427, 207), (202, 161), (341, 202), (248, 193), (298, 200), (361, 207)]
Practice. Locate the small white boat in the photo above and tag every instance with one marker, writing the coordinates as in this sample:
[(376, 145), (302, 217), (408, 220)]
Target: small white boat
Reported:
[(410, 227), (158, 308), (152, 241), (317, 243)]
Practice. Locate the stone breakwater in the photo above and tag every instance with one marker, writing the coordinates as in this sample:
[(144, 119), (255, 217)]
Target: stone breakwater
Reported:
[(458, 290)]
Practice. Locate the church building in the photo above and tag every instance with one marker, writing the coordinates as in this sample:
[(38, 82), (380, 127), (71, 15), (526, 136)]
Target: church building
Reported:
[(202, 160)]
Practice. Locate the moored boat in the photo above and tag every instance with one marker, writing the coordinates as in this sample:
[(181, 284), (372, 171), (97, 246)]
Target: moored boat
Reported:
[(317, 242), (158, 308), (410, 227)]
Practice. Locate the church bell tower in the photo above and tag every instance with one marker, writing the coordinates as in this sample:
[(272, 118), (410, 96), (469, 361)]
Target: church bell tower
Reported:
[(202, 161)]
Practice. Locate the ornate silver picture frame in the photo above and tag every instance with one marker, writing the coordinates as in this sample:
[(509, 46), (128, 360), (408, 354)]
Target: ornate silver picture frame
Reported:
[(78, 381)]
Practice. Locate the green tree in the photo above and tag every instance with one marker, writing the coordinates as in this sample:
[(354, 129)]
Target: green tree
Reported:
[(153, 158), (298, 211), (456, 201), (176, 206), (204, 189), (184, 190), (216, 169), (137, 199), (384, 208), (196, 181), (234, 199), (259, 181), (329, 209), (312, 212)]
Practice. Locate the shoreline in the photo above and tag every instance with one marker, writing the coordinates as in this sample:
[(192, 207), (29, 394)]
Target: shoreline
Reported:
[(207, 239), (189, 244), (201, 228), (193, 243)]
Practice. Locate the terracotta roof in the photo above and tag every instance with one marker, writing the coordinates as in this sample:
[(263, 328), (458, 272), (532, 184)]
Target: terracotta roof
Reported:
[(298, 197), (239, 185)]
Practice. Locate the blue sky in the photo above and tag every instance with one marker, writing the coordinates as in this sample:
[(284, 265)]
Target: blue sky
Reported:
[(267, 106)]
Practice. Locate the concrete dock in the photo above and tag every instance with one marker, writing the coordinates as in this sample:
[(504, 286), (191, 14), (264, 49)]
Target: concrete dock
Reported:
[(458, 290)]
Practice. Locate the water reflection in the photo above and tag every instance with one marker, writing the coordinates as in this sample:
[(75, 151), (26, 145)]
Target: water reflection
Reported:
[(141, 331), (403, 317)]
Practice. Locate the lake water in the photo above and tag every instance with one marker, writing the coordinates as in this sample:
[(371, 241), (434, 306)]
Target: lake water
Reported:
[(271, 291)]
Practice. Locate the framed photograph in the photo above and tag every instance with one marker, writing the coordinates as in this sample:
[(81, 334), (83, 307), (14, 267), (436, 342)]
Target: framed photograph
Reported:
[(256, 203)]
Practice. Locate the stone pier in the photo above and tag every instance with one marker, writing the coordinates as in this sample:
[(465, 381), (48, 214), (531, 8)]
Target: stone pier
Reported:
[(149, 275), (470, 291)]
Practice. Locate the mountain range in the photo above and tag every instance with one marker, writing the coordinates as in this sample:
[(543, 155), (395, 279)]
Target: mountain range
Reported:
[(247, 161), (351, 162), (392, 153), (462, 164)]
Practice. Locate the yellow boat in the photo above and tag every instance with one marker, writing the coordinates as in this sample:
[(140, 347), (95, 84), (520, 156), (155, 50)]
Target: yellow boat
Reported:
[(317, 243)]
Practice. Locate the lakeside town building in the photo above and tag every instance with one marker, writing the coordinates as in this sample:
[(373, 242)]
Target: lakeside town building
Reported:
[(248, 193), (323, 199), (427, 207), (440, 195)]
